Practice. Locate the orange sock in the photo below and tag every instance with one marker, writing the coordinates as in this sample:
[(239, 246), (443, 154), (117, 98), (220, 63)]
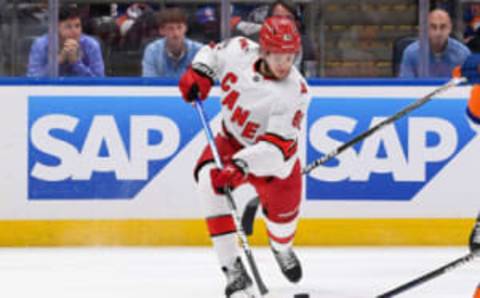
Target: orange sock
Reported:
[(477, 292), (473, 105)]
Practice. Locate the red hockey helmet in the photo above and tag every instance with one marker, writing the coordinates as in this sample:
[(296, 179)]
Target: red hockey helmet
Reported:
[(280, 35)]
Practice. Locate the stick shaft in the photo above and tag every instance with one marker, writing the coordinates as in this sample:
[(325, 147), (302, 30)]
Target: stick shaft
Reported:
[(228, 193), (428, 276), (420, 102)]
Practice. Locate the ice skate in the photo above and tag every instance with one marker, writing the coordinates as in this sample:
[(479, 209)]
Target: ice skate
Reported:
[(289, 264), (239, 284)]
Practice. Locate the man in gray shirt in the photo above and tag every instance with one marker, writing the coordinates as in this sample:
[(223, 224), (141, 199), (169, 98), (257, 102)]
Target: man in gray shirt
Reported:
[(445, 52)]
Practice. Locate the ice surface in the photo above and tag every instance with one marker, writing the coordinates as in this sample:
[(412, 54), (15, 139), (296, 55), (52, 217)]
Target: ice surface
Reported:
[(193, 272)]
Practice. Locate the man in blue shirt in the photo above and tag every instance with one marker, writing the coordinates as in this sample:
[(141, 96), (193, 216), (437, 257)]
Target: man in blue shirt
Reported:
[(170, 56), (79, 55), (445, 52)]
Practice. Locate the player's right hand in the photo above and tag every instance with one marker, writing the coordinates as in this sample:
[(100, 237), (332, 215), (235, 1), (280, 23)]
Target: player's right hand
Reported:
[(233, 174), (194, 84)]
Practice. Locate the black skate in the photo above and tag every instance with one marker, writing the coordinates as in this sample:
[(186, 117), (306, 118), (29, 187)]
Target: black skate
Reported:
[(239, 284), (289, 264)]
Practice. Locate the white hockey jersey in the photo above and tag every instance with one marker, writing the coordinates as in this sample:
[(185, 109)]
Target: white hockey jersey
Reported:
[(263, 114)]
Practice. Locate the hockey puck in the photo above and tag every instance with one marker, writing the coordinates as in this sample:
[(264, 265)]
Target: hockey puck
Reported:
[(301, 295)]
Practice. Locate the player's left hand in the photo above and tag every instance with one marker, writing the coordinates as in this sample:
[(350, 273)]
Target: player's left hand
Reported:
[(233, 174), (475, 238)]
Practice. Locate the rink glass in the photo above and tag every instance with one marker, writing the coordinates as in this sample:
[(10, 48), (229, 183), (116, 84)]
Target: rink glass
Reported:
[(341, 38)]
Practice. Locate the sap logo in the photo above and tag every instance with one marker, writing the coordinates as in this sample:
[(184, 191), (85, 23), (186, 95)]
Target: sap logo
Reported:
[(359, 166), (104, 147), (103, 132), (395, 162)]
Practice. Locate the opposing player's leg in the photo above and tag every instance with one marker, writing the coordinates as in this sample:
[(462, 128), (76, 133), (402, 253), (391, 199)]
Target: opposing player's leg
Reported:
[(280, 200), (221, 226), (474, 241), (477, 292)]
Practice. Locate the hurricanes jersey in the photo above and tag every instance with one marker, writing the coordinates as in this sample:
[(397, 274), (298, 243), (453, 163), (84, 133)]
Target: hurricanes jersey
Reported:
[(262, 114)]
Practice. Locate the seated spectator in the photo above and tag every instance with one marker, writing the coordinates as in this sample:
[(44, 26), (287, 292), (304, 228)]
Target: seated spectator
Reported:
[(472, 20), (471, 35), (170, 56), (4, 45), (284, 8), (474, 42), (143, 31), (445, 52), (79, 54), (206, 26), (139, 23)]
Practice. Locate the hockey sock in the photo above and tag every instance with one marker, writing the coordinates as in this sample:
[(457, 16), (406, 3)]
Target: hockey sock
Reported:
[(226, 249), (281, 234)]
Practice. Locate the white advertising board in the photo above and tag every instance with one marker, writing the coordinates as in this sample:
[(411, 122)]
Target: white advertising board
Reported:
[(119, 152)]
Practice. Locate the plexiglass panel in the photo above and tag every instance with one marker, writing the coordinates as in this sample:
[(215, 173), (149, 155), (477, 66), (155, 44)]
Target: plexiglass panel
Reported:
[(341, 38)]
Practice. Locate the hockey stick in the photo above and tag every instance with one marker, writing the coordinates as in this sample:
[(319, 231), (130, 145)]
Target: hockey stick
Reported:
[(233, 207), (428, 276), (420, 102)]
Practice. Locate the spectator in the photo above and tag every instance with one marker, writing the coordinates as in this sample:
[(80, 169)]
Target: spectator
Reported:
[(139, 22), (305, 61), (473, 42), (170, 56), (472, 20), (142, 32), (471, 35), (445, 52), (79, 54), (206, 26), (3, 25)]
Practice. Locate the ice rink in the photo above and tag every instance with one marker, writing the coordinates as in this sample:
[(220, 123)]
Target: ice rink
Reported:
[(193, 272)]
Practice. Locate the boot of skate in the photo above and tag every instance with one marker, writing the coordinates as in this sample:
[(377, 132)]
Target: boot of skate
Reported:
[(239, 283)]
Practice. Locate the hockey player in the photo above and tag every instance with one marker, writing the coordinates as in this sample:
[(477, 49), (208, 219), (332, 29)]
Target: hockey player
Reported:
[(474, 243), (263, 102), (475, 247), (475, 237), (471, 70)]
